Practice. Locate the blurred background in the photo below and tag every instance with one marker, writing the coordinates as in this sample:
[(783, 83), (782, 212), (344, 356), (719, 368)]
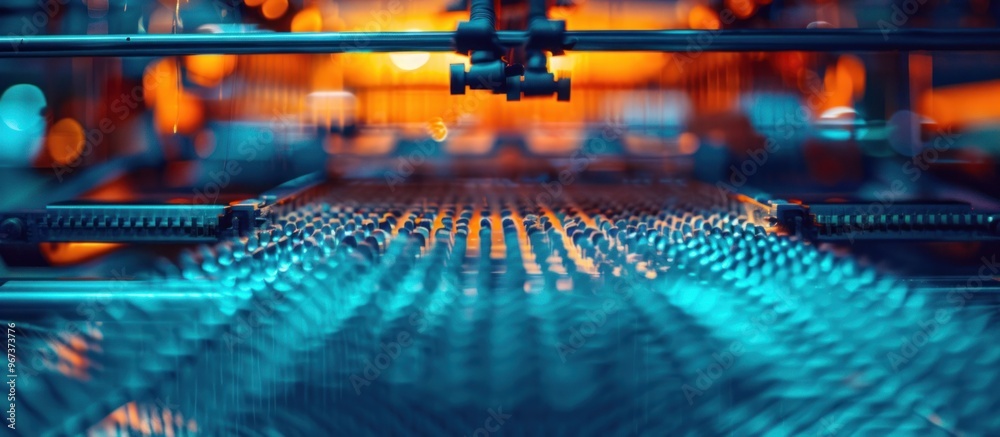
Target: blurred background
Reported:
[(838, 119), (869, 129)]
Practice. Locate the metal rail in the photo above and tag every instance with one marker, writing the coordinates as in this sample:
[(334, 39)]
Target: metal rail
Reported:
[(692, 41)]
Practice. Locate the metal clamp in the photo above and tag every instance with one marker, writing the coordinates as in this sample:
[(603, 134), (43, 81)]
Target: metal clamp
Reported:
[(547, 35), (544, 35)]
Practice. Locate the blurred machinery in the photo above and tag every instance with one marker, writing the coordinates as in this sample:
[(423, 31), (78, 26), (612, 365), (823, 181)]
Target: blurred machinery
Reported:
[(499, 217)]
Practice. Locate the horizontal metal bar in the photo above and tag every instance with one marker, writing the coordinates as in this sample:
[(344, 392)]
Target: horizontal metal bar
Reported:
[(819, 40), (226, 43), (691, 41)]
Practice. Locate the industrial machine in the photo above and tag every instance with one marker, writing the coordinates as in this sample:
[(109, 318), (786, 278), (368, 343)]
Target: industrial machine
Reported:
[(500, 217)]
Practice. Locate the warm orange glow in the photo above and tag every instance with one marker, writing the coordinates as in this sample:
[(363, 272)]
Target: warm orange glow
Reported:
[(789, 65), (62, 254), (65, 141), (78, 343), (69, 355), (133, 416), (852, 67), (437, 129), (327, 74), (838, 88), (687, 143), (179, 113), (959, 105), (409, 61), (411, 89), (474, 142), (373, 144), (562, 141), (743, 9), (638, 15), (844, 83), (839, 112), (308, 20), (70, 362), (703, 17), (272, 9), (331, 108), (209, 70), (159, 75), (562, 66), (281, 84), (119, 190), (145, 420)]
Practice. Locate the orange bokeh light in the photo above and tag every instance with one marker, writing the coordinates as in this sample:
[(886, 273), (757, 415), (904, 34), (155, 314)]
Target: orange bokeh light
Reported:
[(742, 9), (844, 82), (146, 419), (307, 20), (852, 67), (175, 109), (687, 143), (703, 17), (209, 70), (161, 74), (61, 254), (118, 190), (273, 9), (180, 112), (962, 105), (65, 141)]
